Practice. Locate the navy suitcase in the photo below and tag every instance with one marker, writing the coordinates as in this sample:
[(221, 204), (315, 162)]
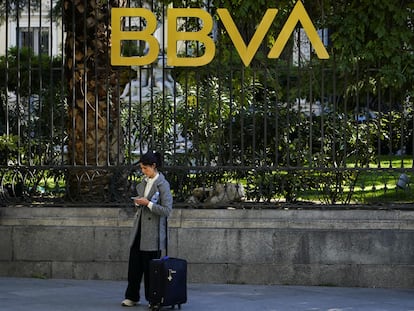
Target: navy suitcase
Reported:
[(167, 282)]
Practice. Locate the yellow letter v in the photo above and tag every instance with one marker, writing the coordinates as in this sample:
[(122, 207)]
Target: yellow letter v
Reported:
[(247, 53)]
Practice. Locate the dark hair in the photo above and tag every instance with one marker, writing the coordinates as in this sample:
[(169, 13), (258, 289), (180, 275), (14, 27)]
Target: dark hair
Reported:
[(150, 158)]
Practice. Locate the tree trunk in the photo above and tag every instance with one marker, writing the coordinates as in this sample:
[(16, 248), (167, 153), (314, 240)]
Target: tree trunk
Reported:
[(94, 132)]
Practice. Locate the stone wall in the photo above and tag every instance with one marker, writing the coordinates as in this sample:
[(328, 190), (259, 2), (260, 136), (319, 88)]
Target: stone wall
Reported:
[(367, 248)]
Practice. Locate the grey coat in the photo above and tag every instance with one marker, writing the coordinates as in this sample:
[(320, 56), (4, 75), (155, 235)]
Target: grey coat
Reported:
[(153, 233)]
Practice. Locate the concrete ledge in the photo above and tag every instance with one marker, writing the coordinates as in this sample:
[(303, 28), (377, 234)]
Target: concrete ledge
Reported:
[(381, 276), (369, 248)]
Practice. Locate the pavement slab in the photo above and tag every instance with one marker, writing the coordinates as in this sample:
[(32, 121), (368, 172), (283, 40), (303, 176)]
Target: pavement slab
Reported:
[(24, 294)]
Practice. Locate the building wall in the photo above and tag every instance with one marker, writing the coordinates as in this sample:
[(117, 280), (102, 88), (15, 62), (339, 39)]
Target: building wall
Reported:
[(8, 33), (363, 248)]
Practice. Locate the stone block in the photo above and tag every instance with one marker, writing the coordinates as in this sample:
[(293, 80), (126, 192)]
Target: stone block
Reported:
[(26, 269), (100, 270), (40, 243), (243, 246), (62, 270), (111, 244), (6, 250), (207, 273), (361, 247), (387, 276)]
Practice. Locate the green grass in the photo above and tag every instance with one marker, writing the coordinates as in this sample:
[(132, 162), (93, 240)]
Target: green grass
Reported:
[(389, 161), (377, 183), (380, 186)]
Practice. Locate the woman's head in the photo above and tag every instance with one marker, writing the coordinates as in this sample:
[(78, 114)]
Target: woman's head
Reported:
[(150, 162), (150, 158)]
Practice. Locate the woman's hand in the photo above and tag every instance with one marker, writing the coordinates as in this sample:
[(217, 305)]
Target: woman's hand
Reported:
[(141, 201)]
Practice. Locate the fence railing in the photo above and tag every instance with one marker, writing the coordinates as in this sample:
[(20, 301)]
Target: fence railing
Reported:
[(290, 130)]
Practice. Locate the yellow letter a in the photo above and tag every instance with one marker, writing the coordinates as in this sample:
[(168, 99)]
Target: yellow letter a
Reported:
[(298, 14)]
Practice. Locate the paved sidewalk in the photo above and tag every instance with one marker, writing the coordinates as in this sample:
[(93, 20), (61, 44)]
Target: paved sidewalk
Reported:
[(20, 294)]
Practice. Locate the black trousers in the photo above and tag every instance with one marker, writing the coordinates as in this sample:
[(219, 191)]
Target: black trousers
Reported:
[(138, 267)]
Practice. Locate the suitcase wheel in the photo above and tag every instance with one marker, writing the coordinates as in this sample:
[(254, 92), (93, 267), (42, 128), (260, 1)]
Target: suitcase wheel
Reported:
[(155, 307)]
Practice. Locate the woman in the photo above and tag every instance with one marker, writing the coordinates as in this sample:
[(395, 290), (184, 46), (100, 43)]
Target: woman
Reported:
[(154, 204)]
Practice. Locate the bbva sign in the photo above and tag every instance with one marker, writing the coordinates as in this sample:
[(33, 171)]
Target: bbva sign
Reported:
[(246, 52)]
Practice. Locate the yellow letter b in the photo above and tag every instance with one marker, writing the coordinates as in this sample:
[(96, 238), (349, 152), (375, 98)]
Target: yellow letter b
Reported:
[(201, 36), (145, 35)]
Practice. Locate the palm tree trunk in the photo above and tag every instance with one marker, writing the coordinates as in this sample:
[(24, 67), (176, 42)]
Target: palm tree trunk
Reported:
[(93, 130)]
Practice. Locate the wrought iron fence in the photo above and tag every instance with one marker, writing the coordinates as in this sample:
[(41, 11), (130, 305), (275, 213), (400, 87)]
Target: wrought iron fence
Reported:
[(290, 130)]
